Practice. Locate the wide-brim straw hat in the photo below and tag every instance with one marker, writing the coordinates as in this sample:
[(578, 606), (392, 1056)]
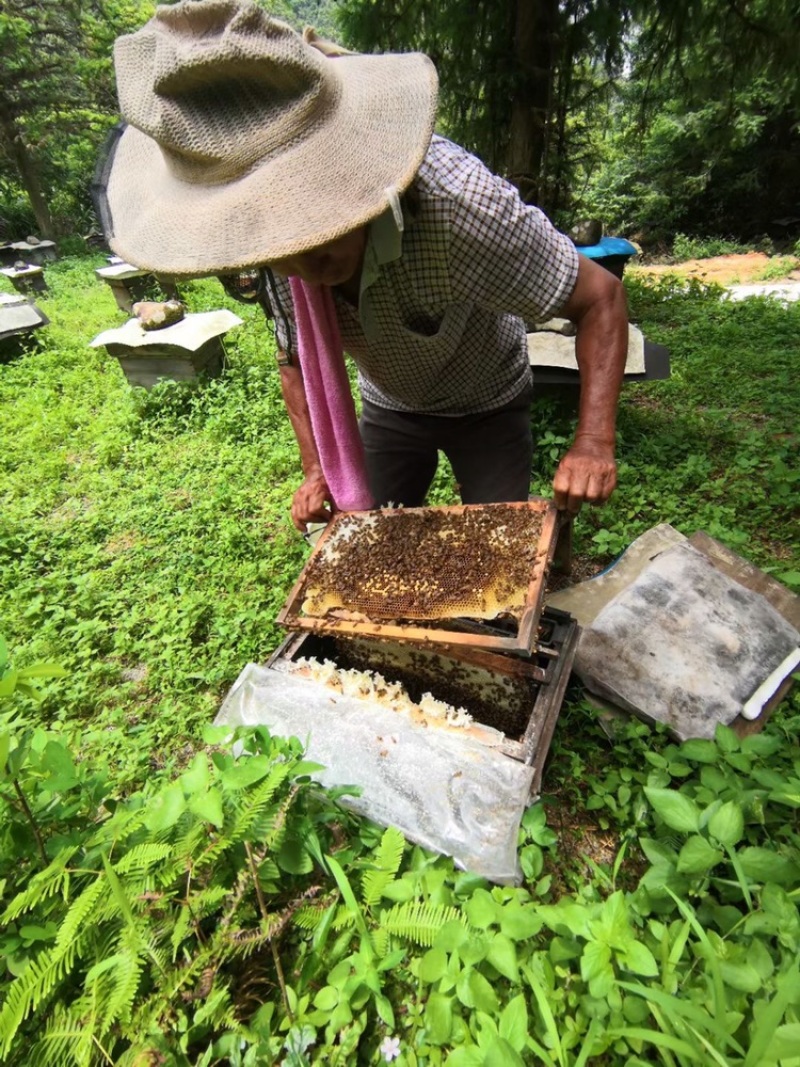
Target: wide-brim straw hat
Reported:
[(245, 144)]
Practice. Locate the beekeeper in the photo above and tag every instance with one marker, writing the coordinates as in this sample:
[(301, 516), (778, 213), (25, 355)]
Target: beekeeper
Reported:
[(251, 148)]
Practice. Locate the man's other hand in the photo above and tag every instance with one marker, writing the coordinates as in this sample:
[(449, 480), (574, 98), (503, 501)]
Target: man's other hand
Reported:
[(588, 472), (311, 502)]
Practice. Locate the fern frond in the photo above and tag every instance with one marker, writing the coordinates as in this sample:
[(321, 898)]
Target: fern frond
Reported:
[(380, 939), (388, 858), (118, 987), (251, 808), (390, 851), (34, 985), (419, 922), (84, 906), (67, 1041), (185, 847), (42, 885), (310, 917), (343, 918), (143, 858), (372, 886)]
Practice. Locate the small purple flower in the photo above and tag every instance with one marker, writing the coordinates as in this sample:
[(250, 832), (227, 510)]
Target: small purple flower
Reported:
[(390, 1048)]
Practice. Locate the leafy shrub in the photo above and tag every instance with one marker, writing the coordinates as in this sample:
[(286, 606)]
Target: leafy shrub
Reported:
[(684, 247)]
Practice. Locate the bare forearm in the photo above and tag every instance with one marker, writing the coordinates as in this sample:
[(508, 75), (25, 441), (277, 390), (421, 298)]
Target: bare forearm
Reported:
[(588, 470), (294, 396), (310, 501), (601, 347)]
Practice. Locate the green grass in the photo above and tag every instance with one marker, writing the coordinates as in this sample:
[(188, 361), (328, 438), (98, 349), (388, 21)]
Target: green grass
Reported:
[(149, 532), (145, 545)]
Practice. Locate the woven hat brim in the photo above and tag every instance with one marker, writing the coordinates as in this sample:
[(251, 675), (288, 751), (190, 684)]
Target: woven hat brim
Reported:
[(311, 193)]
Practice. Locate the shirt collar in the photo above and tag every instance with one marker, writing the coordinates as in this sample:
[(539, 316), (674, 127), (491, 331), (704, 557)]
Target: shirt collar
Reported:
[(384, 244)]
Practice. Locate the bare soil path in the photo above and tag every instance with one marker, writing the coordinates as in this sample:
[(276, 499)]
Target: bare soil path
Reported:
[(726, 270)]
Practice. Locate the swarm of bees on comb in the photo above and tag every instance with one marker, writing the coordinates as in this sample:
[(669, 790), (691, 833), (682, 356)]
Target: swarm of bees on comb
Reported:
[(426, 564)]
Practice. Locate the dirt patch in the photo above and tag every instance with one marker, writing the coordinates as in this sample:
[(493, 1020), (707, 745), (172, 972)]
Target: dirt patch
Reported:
[(725, 270)]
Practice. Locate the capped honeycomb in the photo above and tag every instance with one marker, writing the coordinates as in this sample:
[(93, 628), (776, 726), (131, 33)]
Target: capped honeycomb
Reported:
[(426, 563)]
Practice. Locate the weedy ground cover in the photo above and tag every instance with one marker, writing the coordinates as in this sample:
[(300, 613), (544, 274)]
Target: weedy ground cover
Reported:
[(164, 902)]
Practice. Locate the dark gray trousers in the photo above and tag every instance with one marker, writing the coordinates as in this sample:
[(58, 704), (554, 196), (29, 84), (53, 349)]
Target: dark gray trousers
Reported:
[(491, 453)]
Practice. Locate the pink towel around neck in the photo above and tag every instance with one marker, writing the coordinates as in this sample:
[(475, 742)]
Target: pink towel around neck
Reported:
[(328, 395)]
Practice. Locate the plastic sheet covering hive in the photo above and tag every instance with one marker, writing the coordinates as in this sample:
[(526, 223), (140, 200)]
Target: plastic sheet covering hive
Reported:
[(426, 563)]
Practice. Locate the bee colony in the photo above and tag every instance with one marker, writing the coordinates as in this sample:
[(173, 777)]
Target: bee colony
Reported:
[(419, 573), (422, 668)]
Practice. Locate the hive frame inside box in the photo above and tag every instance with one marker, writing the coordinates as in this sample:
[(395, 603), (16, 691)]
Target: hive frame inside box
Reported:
[(548, 672), (463, 632)]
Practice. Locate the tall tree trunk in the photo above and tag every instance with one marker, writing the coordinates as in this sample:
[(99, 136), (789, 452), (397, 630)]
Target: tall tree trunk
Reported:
[(28, 172), (535, 44)]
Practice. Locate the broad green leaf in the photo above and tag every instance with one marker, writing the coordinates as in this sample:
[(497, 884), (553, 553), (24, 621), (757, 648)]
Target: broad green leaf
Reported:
[(327, 998), (439, 1018), (39, 933), (385, 1010), (208, 806), (466, 1056), (42, 670), (195, 778), (596, 968), (531, 860), (639, 959), (563, 949), (697, 856), (474, 991), (433, 965), (513, 1025), (388, 963), (306, 767), (677, 810), (451, 936), (658, 852), (8, 682), (741, 976), (501, 1054), (165, 808), (484, 996), (399, 891), (5, 745), (763, 745), (502, 955), (726, 738), (481, 909), (612, 926), (727, 824), (246, 771), (571, 920), (764, 865), (758, 956), (293, 857), (785, 1043), (700, 750), (474, 949)]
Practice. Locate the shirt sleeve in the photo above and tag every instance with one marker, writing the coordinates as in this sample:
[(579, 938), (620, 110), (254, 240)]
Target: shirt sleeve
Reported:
[(505, 255), (280, 298)]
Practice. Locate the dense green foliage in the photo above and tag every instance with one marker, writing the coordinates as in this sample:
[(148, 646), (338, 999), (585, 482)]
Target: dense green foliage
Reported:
[(165, 900), (678, 118), (57, 102)]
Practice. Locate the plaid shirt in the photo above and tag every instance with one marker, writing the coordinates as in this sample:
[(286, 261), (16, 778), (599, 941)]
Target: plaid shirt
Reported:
[(440, 326)]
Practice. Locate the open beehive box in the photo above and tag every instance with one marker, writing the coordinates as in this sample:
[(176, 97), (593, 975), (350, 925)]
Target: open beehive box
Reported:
[(424, 670), (468, 575)]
